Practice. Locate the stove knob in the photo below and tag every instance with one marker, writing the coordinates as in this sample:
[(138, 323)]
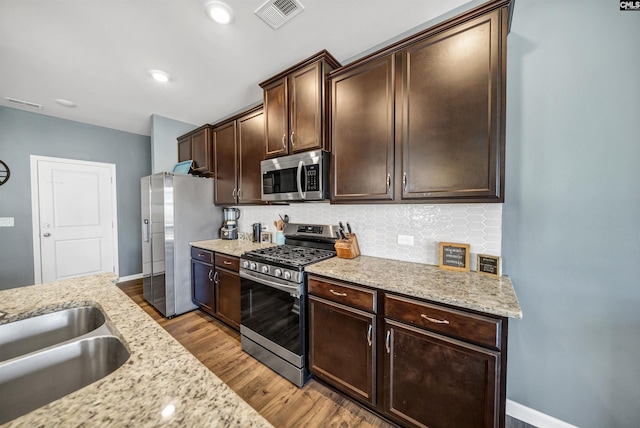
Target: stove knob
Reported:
[(278, 273), (252, 266), (245, 264), (287, 275), (265, 269)]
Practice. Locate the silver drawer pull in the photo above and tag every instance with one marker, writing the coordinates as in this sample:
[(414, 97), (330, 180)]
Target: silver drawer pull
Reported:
[(226, 262), (437, 321), (338, 293), (369, 334), (387, 342), (201, 255)]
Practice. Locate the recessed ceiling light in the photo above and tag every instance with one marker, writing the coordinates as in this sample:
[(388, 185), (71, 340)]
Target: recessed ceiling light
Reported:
[(65, 103), (160, 75), (219, 12)]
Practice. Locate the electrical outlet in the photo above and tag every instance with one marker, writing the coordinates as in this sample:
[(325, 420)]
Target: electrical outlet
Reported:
[(6, 221), (405, 239)]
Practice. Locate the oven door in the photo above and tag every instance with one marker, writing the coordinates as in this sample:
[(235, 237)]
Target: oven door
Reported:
[(272, 315)]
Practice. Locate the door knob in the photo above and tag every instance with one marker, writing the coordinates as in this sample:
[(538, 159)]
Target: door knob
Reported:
[(46, 235)]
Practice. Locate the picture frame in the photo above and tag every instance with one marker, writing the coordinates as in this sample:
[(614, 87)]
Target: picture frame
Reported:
[(454, 256), (489, 265)]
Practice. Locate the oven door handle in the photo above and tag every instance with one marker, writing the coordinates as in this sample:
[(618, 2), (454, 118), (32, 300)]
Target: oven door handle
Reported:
[(303, 195), (291, 289)]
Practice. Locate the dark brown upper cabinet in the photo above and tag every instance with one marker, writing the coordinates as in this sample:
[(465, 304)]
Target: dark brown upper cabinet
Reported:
[(238, 145), (295, 107), (196, 146), (423, 120)]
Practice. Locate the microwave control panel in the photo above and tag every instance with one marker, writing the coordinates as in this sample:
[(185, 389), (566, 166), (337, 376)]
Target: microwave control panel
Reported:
[(313, 172)]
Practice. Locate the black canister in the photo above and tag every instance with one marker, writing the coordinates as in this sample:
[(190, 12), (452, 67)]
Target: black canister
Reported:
[(257, 228)]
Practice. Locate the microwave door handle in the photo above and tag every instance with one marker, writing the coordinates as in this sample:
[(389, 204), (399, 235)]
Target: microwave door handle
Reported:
[(303, 195)]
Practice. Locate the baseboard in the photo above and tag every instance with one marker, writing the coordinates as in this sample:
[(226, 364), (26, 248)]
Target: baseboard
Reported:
[(129, 278), (534, 417)]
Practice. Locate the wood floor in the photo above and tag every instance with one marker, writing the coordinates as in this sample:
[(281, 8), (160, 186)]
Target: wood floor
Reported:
[(280, 402)]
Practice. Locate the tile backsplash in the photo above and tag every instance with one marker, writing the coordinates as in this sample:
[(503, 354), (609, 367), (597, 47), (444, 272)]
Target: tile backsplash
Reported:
[(378, 226)]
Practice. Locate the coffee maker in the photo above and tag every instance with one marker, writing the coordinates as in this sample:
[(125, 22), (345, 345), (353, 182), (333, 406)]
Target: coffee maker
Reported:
[(230, 223)]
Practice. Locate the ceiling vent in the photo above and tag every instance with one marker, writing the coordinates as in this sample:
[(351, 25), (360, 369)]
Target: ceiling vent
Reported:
[(24, 103), (278, 12)]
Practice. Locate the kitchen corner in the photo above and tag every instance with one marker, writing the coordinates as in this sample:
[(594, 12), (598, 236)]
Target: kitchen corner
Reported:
[(160, 384)]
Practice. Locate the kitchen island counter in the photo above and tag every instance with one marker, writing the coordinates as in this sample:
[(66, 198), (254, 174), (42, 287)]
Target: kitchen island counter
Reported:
[(469, 290), (159, 375)]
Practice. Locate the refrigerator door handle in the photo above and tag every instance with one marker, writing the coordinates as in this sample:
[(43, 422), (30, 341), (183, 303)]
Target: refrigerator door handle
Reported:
[(145, 230)]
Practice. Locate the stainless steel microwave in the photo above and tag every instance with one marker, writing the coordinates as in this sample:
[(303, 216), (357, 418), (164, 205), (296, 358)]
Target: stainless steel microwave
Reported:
[(299, 177)]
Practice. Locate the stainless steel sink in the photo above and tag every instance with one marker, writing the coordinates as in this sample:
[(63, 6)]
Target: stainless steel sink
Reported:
[(49, 356), (30, 334), (39, 378)]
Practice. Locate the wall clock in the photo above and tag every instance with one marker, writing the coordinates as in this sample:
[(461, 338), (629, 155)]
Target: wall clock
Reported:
[(4, 173)]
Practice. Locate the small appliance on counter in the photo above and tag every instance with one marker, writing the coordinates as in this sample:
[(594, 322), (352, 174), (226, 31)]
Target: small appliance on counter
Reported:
[(229, 228)]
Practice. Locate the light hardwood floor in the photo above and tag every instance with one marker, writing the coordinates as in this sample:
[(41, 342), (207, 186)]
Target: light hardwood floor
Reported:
[(279, 401)]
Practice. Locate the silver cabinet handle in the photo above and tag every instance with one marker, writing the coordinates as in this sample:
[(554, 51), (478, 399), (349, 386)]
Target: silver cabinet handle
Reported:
[(437, 321), (387, 342), (216, 278), (226, 262), (388, 182), (210, 272), (46, 235), (284, 142), (404, 181), (292, 143), (369, 334), (234, 193), (338, 293)]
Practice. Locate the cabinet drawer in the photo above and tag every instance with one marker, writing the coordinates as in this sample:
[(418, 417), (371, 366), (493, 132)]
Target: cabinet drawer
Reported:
[(202, 255), (473, 328), (340, 292), (228, 262)]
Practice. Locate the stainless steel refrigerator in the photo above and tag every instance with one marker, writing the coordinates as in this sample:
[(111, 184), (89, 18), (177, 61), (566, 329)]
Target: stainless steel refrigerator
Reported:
[(176, 209)]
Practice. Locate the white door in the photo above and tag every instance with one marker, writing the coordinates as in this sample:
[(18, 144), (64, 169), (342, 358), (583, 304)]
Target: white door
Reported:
[(74, 226)]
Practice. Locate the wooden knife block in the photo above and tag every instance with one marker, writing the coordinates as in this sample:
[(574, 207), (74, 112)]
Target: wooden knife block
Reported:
[(348, 248)]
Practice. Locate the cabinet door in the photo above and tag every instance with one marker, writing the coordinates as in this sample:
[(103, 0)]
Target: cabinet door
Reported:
[(305, 108), (228, 297), (250, 154), (341, 347), (362, 133), (434, 381), (184, 149), (451, 98), (276, 126), (224, 147), (200, 148), (202, 285)]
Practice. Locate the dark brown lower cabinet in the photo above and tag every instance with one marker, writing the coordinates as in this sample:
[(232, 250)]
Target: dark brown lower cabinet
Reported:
[(228, 297), (434, 381), (202, 285), (341, 347)]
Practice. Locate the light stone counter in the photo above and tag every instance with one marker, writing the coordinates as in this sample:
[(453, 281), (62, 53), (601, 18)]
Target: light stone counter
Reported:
[(468, 290), (231, 247), (160, 372)]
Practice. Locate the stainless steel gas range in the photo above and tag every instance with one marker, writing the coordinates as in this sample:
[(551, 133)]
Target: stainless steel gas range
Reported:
[(273, 324)]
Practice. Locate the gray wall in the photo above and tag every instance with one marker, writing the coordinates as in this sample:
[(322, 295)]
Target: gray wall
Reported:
[(164, 144), (23, 134), (571, 235)]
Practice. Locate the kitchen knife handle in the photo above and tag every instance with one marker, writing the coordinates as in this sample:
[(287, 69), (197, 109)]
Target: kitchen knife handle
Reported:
[(369, 334), (338, 293), (349, 228)]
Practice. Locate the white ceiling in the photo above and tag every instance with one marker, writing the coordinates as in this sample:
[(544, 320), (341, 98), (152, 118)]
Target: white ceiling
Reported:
[(97, 53)]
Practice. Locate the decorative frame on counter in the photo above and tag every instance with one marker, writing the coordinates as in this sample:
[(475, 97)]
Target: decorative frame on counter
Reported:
[(489, 265), (454, 256)]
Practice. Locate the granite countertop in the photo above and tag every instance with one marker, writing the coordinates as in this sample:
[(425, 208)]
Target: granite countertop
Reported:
[(159, 371), (231, 247), (468, 290)]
